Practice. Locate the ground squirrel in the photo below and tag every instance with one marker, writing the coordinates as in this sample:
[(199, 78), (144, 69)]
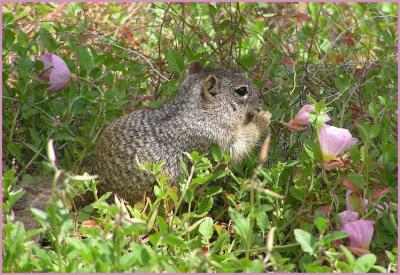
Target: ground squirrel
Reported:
[(213, 106)]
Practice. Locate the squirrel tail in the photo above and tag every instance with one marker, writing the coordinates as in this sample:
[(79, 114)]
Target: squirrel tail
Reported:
[(37, 195)]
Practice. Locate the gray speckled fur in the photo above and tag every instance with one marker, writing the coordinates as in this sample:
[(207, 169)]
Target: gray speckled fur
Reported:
[(186, 123)]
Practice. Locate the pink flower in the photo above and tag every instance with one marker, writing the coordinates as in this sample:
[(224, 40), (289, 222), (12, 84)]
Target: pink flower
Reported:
[(302, 118), (334, 141), (348, 216), (360, 235), (56, 72)]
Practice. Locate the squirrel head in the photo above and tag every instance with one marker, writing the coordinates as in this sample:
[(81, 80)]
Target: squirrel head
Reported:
[(221, 90)]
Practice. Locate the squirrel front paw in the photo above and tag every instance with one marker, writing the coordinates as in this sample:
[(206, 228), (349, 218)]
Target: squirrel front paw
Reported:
[(263, 119)]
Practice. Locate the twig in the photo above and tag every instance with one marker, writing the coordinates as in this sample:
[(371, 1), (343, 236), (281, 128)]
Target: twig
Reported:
[(294, 78), (112, 42), (351, 27)]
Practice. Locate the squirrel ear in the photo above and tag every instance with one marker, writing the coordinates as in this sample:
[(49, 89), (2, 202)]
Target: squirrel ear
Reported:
[(195, 67), (208, 92)]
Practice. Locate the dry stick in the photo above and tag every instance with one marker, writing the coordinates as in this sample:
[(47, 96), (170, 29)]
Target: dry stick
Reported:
[(315, 27), (159, 34), (159, 49)]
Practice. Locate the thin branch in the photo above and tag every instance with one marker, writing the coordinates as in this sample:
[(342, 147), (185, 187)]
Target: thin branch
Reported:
[(111, 42), (351, 27)]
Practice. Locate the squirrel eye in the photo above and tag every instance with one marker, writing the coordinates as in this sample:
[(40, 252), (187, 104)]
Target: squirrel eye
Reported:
[(242, 91)]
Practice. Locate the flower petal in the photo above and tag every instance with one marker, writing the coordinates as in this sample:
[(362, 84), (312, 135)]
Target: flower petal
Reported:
[(334, 141), (47, 60), (303, 115), (56, 72), (302, 118), (360, 233)]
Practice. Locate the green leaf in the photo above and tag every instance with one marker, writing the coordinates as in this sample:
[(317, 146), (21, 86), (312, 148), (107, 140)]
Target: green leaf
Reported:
[(241, 225), (363, 132), (364, 263), (321, 223), (214, 190), (262, 221), (333, 236), (343, 267), (357, 179), (175, 60), (379, 268), (151, 220), (299, 193), (309, 150), (13, 197), (248, 60), (221, 241), (173, 240), (48, 41), (9, 179), (204, 206), (316, 267), (206, 228), (162, 225), (317, 120), (306, 241), (14, 149), (40, 214), (29, 112), (84, 58), (8, 38), (216, 152), (127, 260)]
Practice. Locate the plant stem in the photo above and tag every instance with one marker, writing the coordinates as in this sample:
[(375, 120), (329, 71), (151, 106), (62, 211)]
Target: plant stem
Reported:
[(183, 193)]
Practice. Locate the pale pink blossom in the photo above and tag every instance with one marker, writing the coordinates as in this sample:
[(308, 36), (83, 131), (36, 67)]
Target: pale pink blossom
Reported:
[(360, 235), (334, 141), (348, 216), (56, 72), (302, 118)]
